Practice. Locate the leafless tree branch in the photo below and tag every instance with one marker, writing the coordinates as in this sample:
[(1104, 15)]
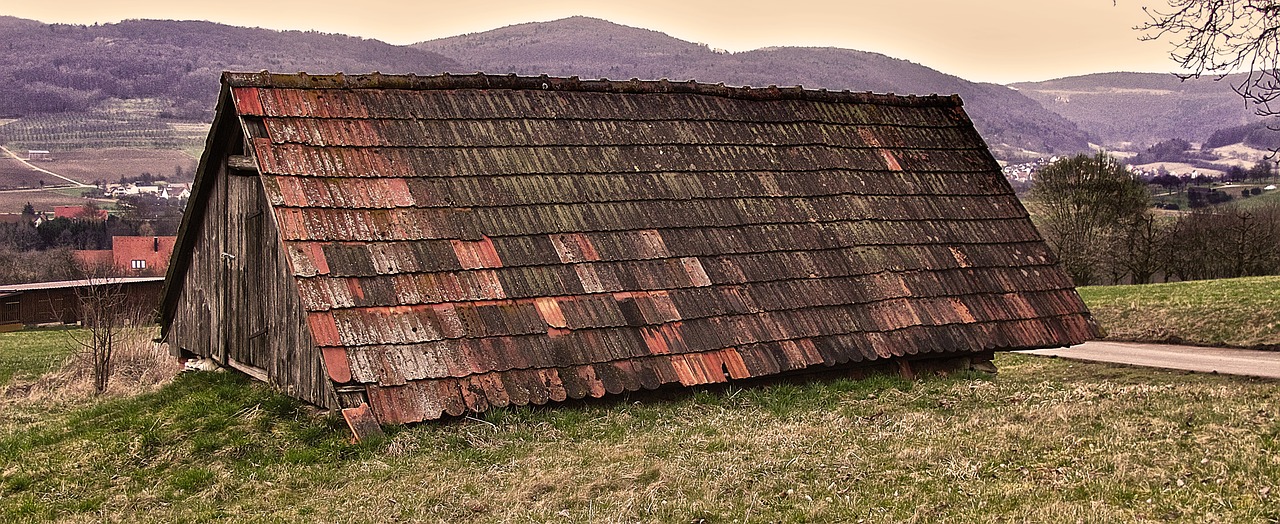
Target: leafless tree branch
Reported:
[(1223, 37)]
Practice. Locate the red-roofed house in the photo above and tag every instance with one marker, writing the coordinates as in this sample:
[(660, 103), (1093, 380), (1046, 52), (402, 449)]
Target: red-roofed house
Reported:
[(79, 212), (132, 256)]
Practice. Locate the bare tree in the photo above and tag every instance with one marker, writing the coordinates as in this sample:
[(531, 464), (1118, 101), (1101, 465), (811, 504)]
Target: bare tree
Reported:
[(105, 311), (1221, 37), (1139, 249), (1225, 242)]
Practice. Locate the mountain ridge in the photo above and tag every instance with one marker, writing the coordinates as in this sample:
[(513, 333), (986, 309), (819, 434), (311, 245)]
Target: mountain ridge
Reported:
[(54, 68), (591, 47), (59, 68), (1119, 107)]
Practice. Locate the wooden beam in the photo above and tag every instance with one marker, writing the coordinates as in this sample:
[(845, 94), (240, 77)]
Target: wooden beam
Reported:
[(243, 163), (253, 371)]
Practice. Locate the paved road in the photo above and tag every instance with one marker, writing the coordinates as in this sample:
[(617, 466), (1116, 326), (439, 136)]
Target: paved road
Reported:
[(1222, 360)]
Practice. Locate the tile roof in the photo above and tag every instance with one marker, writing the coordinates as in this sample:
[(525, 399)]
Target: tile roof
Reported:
[(462, 242)]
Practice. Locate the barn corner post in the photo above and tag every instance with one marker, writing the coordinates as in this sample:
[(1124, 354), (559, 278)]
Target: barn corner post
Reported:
[(406, 248)]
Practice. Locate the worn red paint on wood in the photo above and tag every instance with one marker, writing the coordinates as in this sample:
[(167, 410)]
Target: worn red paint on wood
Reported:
[(246, 100)]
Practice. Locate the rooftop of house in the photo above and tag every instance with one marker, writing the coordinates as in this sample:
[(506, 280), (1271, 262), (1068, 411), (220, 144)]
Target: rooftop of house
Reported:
[(85, 282)]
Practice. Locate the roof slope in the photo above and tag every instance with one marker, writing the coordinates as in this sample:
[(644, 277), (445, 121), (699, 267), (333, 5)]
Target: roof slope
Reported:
[(463, 242)]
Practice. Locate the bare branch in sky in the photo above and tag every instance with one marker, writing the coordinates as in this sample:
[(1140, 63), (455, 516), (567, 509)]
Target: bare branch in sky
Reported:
[(1221, 37)]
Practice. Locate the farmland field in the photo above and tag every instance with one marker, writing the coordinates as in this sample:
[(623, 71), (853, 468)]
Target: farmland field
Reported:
[(121, 129), (13, 174), (12, 201), (87, 165)]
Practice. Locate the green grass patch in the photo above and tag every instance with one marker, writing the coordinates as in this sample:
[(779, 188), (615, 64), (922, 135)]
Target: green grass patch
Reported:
[(199, 441), (1238, 312), (1045, 440), (28, 354), (72, 191), (1267, 198)]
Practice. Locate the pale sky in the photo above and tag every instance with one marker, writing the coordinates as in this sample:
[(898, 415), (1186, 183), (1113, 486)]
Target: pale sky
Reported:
[(999, 41)]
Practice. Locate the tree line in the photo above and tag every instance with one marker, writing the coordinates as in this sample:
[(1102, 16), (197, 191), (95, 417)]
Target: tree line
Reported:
[(43, 251), (1097, 217)]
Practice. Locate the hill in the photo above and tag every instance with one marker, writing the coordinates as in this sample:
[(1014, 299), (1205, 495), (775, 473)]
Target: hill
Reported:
[(1142, 107), (592, 48), (1257, 135), (1237, 312), (55, 68)]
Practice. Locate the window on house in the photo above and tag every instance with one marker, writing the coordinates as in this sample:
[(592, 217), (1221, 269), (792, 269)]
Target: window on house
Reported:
[(139, 264)]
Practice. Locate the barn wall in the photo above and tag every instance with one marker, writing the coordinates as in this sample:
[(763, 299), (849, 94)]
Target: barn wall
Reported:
[(49, 306), (275, 333), (197, 317), (239, 304)]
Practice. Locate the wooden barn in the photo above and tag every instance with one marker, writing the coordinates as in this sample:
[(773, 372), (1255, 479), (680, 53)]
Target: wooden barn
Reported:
[(407, 247), (60, 302)]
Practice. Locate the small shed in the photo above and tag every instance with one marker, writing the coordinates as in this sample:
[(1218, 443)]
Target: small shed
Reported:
[(59, 302), (415, 246)]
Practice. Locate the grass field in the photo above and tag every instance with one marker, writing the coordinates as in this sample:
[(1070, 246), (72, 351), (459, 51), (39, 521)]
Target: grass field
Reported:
[(26, 355), (13, 174), (1240, 312), (1267, 198), (1043, 441)]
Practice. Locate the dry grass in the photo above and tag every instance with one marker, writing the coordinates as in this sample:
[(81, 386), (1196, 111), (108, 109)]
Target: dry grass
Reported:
[(1238, 312), (13, 174), (88, 165), (138, 366), (1046, 440), (13, 201)]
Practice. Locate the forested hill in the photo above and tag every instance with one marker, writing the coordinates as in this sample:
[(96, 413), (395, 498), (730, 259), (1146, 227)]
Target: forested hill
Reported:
[(58, 68), (53, 68), (592, 48), (1143, 107)]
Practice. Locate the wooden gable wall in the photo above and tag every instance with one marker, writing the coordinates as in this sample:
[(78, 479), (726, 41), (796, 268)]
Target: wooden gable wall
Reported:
[(237, 302)]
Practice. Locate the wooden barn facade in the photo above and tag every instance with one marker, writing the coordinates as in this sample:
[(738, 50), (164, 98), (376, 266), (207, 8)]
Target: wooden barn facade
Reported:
[(25, 305), (411, 247)]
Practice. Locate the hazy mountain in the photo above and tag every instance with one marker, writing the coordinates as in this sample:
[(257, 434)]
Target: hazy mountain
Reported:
[(592, 48), (51, 68), (1143, 107), (57, 68)]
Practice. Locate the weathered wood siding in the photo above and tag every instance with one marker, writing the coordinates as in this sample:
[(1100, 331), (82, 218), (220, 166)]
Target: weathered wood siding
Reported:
[(238, 303), (197, 319), (275, 333)]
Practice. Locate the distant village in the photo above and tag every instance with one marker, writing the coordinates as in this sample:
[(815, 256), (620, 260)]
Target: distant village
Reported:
[(160, 190), (1023, 174)]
